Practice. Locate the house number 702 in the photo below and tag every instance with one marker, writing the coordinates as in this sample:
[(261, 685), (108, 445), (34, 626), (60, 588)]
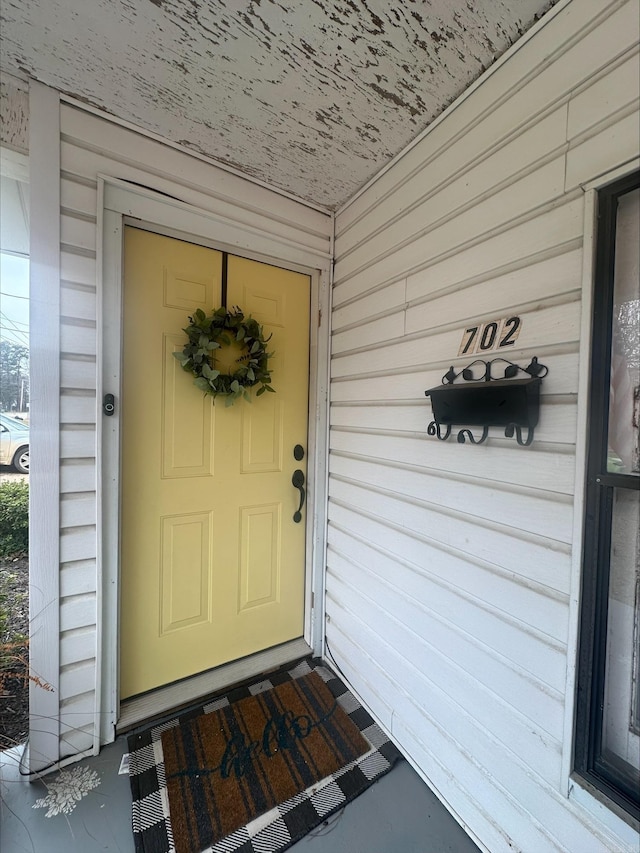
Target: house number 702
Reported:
[(493, 335)]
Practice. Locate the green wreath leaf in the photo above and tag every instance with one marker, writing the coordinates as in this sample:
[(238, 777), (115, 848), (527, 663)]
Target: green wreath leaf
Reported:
[(207, 334)]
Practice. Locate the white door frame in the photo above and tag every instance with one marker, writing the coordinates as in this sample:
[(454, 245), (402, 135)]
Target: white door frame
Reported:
[(118, 203)]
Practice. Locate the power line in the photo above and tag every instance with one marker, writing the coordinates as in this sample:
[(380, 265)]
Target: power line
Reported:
[(15, 323), (6, 338), (12, 295), (8, 329), (13, 329)]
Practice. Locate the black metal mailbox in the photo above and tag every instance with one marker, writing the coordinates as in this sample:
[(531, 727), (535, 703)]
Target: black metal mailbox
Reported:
[(512, 402)]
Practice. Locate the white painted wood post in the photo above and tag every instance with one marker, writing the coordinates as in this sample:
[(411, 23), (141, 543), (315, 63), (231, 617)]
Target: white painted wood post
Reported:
[(44, 487)]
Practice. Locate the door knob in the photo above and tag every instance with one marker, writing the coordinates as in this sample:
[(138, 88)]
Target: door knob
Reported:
[(298, 481)]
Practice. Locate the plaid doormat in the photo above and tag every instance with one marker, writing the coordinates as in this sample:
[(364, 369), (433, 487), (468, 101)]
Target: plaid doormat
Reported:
[(279, 828)]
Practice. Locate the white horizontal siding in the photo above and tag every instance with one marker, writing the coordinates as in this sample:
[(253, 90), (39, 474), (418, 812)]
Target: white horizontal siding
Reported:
[(497, 647), (91, 147), (542, 280), (443, 220), (78, 611), (536, 194), (79, 302), (484, 175), (78, 406), (76, 580), (78, 230), (427, 308), (535, 558), (492, 713), (535, 467), (535, 609), (78, 548), (78, 195), (75, 645), (78, 543), (556, 324), (587, 158), (77, 475), (77, 714), (386, 384), (77, 371), (519, 506), (508, 245), (449, 576), (76, 442), (73, 741), (592, 104), (558, 425)]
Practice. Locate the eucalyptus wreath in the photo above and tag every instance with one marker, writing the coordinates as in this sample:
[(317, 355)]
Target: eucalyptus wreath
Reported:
[(207, 334)]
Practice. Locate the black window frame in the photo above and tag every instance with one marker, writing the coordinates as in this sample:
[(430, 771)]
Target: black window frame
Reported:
[(589, 762)]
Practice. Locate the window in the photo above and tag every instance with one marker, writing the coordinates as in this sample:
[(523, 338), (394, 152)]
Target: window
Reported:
[(608, 711)]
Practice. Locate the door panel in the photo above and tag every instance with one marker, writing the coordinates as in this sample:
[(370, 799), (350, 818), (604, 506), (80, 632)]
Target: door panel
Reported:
[(212, 563), (185, 570), (262, 438), (187, 421), (260, 555)]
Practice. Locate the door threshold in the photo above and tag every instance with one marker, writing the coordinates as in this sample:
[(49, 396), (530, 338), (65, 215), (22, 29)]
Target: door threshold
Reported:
[(138, 709)]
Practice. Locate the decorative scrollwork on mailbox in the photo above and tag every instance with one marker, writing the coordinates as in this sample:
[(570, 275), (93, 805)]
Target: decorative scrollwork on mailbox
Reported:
[(484, 400)]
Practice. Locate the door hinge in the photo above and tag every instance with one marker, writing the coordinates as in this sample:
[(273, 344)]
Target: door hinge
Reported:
[(319, 317)]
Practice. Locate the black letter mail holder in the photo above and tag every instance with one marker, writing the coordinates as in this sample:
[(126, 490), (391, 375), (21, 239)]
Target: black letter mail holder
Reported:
[(512, 402)]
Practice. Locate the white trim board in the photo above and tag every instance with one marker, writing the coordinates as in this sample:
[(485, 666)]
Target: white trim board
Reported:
[(44, 486), (124, 203), (152, 207)]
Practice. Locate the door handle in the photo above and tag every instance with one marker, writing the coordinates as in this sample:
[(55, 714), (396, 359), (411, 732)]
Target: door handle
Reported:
[(298, 481)]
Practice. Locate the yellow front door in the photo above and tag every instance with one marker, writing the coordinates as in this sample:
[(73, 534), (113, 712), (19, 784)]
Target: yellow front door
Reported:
[(212, 562)]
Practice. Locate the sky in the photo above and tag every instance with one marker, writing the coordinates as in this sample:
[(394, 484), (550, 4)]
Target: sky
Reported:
[(14, 299)]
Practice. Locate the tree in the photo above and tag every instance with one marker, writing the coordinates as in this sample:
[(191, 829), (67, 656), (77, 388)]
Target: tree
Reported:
[(14, 377)]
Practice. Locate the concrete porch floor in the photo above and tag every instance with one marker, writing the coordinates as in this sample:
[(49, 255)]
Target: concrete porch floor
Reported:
[(398, 814)]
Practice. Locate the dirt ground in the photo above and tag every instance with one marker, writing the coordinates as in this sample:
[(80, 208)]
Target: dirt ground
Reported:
[(14, 687)]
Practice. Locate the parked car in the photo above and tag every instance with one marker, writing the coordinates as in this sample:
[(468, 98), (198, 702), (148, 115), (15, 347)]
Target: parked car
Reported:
[(14, 444)]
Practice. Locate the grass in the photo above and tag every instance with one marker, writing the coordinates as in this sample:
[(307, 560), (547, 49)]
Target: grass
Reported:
[(14, 613), (14, 518)]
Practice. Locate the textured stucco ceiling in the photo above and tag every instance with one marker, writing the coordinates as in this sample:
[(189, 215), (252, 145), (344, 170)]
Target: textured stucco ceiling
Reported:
[(311, 96)]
